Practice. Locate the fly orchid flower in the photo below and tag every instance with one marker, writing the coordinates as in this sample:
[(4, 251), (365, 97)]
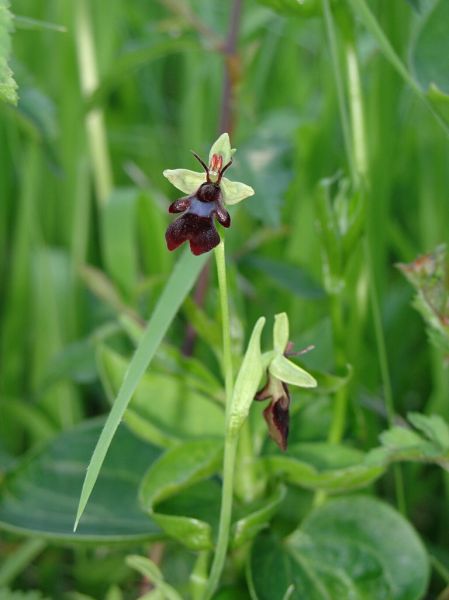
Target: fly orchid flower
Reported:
[(281, 372), (209, 192)]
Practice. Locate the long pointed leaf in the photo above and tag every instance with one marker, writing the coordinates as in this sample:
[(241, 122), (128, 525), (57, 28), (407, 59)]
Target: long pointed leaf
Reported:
[(178, 286)]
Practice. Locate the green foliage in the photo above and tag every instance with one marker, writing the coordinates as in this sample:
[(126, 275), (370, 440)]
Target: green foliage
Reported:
[(8, 86), (428, 443), (40, 496), (429, 276), (350, 548)]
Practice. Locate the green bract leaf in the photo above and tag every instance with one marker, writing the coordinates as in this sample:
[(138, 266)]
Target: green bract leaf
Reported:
[(234, 191), (248, 379), (353, 548), (288, 372), (41, 495), (280, 332), (222, 147), (185, 180)]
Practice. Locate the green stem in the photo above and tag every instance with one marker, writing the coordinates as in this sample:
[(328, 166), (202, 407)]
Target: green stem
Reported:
[(95, 126), (225, 322), (230, 451), (333, 47), (361, 165), (338, 424), (231, 439)]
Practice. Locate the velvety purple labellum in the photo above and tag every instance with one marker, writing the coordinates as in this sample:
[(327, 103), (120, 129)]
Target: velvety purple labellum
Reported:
[(197, 224), (276, 413)]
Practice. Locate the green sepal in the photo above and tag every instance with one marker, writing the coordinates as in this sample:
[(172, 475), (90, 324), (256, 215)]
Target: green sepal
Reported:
[(235, 191), (222, 147), (288, 372), (184, 179)]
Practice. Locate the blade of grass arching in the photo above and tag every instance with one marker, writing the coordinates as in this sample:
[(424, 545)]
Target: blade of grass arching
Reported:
[(178, 286), (361, 9)]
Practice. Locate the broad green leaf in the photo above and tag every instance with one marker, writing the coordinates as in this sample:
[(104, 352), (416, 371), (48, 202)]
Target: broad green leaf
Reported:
[(402, 444), (354, 548), (288, 372), (120, 251), (399, 437), (430, 50), (152, 572), (248, 379), (304, 474), (40, 496), (294, 8), (8, 87), (325, 456), (186, 516), (280, 332), (178, 468), (178, 286), (163, 409), (191, 517)]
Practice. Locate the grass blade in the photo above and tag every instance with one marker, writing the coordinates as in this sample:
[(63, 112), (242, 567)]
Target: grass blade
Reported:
[(178, 286)]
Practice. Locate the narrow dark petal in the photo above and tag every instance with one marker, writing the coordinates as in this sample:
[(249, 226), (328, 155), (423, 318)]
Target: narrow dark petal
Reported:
[(222, 215), (180, 205), (265, 392)]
